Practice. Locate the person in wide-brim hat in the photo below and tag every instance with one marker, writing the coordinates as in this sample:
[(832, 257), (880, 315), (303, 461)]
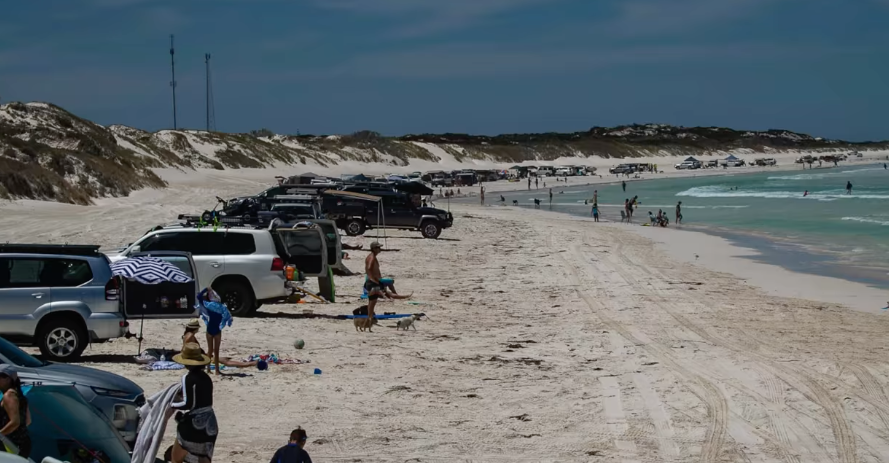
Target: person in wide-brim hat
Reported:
[(197, 429), (192, 355)]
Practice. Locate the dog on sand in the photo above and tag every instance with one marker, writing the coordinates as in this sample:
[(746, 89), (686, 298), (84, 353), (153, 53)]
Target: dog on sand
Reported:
[(405, 323), (362, 324)]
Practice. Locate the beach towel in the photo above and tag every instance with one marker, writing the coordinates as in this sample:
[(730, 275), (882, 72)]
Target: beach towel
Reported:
[(163, 366), (206, 304), (273, 358), (153, 423)]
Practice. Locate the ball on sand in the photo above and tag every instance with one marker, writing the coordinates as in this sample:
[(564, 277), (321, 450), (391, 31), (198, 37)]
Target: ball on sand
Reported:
[(299, 344)]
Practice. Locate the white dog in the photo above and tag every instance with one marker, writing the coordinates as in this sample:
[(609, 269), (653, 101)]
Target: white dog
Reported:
[(406, 323)]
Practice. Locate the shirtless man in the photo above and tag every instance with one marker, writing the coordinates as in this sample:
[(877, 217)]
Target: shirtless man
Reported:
[(372, 285)]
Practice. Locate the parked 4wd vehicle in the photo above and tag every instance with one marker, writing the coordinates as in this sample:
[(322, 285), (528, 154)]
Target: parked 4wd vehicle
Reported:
[(243, 265), (59, 298), (357, 212), (114, 396)]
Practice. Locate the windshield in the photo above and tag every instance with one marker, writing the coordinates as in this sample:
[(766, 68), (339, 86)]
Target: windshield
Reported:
[(12, 354), (62, 423)]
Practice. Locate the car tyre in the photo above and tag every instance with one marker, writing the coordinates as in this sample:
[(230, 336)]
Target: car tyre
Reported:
[(62, 340), (430, 229), (237, 297), (355, 227)]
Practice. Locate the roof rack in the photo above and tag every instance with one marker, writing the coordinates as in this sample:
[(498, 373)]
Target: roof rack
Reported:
[(61, 249)]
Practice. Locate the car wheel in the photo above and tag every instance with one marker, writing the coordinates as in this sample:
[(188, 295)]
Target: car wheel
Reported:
[(355, 227), (430, 229), (62, 340), (237, 297)]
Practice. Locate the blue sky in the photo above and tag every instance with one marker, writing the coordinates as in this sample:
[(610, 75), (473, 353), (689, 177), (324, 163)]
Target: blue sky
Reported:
[(476, 66)]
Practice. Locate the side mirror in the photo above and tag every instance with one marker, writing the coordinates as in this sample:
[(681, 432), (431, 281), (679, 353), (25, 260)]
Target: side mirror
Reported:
[(135, 249)]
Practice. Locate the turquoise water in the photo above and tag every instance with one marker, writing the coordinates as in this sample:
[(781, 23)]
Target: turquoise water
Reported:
[(850, 233)]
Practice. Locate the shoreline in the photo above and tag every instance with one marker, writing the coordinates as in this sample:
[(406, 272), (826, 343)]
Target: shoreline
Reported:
[(721, 254)]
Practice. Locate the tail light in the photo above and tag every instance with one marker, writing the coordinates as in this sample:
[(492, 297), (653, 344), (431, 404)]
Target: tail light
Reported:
[(277, 264), (112, 290)]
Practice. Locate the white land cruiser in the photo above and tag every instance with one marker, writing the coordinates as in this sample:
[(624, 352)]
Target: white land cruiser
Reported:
[(242, 264)]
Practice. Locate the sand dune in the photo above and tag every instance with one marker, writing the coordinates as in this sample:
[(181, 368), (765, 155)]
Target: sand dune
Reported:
[(550, 339)]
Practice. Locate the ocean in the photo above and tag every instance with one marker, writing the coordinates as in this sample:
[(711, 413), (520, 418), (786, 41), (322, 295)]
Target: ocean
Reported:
[(825, 232)]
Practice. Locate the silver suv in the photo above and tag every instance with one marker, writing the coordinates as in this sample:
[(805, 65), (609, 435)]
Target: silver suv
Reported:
[(59, 298)]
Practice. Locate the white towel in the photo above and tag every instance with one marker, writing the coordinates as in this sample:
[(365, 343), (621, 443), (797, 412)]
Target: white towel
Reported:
[(153, 424)]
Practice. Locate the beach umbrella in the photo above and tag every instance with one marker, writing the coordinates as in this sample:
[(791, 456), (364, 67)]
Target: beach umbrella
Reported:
[(149, 271)]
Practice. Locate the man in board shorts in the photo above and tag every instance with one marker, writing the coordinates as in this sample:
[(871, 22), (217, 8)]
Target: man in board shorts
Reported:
[(372, 285)]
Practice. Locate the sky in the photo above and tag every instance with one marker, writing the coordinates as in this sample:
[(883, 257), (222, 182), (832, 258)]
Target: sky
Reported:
[(466, 66)]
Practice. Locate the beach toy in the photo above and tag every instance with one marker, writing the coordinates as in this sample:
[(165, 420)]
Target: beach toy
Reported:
[(299, 344), (317, 371), (416, 303)]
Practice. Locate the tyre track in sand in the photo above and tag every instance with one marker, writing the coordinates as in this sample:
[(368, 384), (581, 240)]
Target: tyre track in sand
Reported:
[(845, 439), (711, 396)]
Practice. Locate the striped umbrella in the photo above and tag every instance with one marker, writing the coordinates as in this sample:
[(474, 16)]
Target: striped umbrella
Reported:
[(149, 270)]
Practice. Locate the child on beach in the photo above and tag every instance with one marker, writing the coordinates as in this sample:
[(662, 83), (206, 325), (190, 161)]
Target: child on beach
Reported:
[(595, 212)]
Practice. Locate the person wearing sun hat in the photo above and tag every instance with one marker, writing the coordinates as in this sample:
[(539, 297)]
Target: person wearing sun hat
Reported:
[(197, 428)]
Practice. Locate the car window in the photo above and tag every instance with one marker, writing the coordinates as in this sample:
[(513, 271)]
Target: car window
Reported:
[(73, 425), (21, 273), (239, 243), (17, 357), (72, 272), (203, 243), (162, 242)]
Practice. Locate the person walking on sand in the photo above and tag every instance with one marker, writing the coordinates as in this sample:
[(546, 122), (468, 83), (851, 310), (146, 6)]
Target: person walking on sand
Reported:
[(529, 183), (679, 213), (15, 416), (372, 285), (294, 451), (848, 188), (536, 182), (483, 195), (624, 185)]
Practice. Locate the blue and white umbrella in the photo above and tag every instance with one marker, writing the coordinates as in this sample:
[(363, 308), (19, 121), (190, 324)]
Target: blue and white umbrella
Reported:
[(149, 271)]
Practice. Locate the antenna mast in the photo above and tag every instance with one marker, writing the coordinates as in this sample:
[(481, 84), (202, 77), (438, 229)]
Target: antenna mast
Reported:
[(173, 82), (211, 109)]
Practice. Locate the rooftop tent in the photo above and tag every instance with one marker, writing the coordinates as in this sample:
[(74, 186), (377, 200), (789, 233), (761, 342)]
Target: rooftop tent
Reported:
[(732, 157), (360, 178), (691, 159)]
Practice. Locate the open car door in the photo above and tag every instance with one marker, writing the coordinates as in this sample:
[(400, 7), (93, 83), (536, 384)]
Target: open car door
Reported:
[(305, 246), (332, 239), (163, 300)]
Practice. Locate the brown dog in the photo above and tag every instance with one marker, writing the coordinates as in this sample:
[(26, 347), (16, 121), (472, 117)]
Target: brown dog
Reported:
[(362, 324)]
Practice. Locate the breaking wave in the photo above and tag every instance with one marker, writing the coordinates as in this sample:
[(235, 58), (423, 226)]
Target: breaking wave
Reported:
[(798, 177), (868, 220), (716, 191)]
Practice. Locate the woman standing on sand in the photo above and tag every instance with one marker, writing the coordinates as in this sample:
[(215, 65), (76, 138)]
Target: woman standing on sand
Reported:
[(216, 316), (197, 429)]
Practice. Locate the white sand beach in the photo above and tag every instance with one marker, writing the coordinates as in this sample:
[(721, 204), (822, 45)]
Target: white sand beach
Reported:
[(548, 338)]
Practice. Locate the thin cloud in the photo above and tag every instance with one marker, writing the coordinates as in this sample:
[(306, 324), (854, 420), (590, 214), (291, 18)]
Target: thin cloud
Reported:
[(468, 61), (430, 17), (658, 17)]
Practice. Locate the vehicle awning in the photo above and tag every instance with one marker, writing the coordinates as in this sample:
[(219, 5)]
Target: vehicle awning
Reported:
[(352, 194)]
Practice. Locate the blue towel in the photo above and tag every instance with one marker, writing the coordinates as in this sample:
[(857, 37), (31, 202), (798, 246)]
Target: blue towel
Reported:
[(207, 307)]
